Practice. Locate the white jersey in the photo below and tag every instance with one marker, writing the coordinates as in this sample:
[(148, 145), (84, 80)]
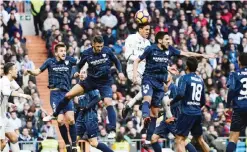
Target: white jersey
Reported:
[(134, 47), (6, 88)]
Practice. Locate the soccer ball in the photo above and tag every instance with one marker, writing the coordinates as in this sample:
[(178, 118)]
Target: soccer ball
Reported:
[(142, 17)]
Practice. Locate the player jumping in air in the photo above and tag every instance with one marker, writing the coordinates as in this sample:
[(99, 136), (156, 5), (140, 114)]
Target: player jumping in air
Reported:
[(192, 97), (237, 98), (135, 45), (59, 71), (99, 59), (9, 87), (87, 119), (157, 58)]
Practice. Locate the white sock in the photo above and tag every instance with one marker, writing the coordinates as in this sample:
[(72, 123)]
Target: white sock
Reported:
[(167, 106), (15, 147), (138, 96)]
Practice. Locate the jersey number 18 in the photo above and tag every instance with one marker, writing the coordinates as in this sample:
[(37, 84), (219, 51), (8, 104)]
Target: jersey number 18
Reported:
[(197, 91)]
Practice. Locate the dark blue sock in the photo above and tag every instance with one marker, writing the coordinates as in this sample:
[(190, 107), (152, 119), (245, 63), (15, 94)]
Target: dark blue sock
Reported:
[(156, 146), (145, 109), (151, 128), (190, 148), (103, 147), (64, 134), (231, 147), (63, 103), (112, 117), (72, 132)]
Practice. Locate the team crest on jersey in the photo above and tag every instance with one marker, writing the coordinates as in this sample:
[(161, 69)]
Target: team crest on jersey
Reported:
[(104, 55), (167, 52), (66, 62)]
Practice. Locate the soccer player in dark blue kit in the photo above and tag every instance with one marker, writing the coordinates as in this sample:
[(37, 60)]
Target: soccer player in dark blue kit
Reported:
[(165, 128), (237, 99), (157, 58), (59, 71), (87, 119), (192, 97), (100, 60)]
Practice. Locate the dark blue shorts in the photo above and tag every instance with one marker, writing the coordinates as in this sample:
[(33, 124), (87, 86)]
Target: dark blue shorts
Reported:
[(104, 86), (189, 123), (164, 129), (55, 97), (153, 88), (239, 121), (88, 128)]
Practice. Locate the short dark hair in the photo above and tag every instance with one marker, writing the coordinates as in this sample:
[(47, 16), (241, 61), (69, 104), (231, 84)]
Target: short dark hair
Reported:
[(141, 25), (160, 35), (98, 39), (192, 64), (243, 59), (7, 67), (59, 45)]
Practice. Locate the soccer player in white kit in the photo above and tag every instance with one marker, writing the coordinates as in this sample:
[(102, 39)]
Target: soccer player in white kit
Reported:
[(134, 47), (9, 87)]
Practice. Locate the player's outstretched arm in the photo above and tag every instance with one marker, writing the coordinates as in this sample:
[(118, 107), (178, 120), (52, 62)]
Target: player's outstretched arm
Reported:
[(192, 54), (118, 65), (34, 72)]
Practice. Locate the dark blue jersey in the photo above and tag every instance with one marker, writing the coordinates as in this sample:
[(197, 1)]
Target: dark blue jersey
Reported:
[(191, 93), (99, 64), (89, 99), (237, 94), (157, 61), (59, 72)]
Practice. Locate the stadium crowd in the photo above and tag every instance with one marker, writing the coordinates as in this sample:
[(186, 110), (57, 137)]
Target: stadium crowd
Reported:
[(195, 26)]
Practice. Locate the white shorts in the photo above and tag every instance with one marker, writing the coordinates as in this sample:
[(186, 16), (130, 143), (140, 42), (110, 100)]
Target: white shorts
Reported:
[(140, 70), (6, 126)]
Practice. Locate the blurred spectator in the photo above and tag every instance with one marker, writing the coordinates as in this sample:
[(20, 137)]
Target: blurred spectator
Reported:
[(35, 8), (16, 121), (50, 21), (25, 136), (109, 20), (235, 35)]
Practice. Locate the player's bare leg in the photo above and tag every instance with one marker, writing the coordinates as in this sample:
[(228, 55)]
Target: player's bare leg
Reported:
[(63, 131), (72, 129), (154, 141), (154, 111), (111, 117), (2, 144), (233, 139), (126, 110), (202, 143), (94, 143), (180, 143), (13, 137)]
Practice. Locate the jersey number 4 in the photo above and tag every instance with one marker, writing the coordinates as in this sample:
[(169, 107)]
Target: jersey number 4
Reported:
[(197, 91), (244, 82)]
